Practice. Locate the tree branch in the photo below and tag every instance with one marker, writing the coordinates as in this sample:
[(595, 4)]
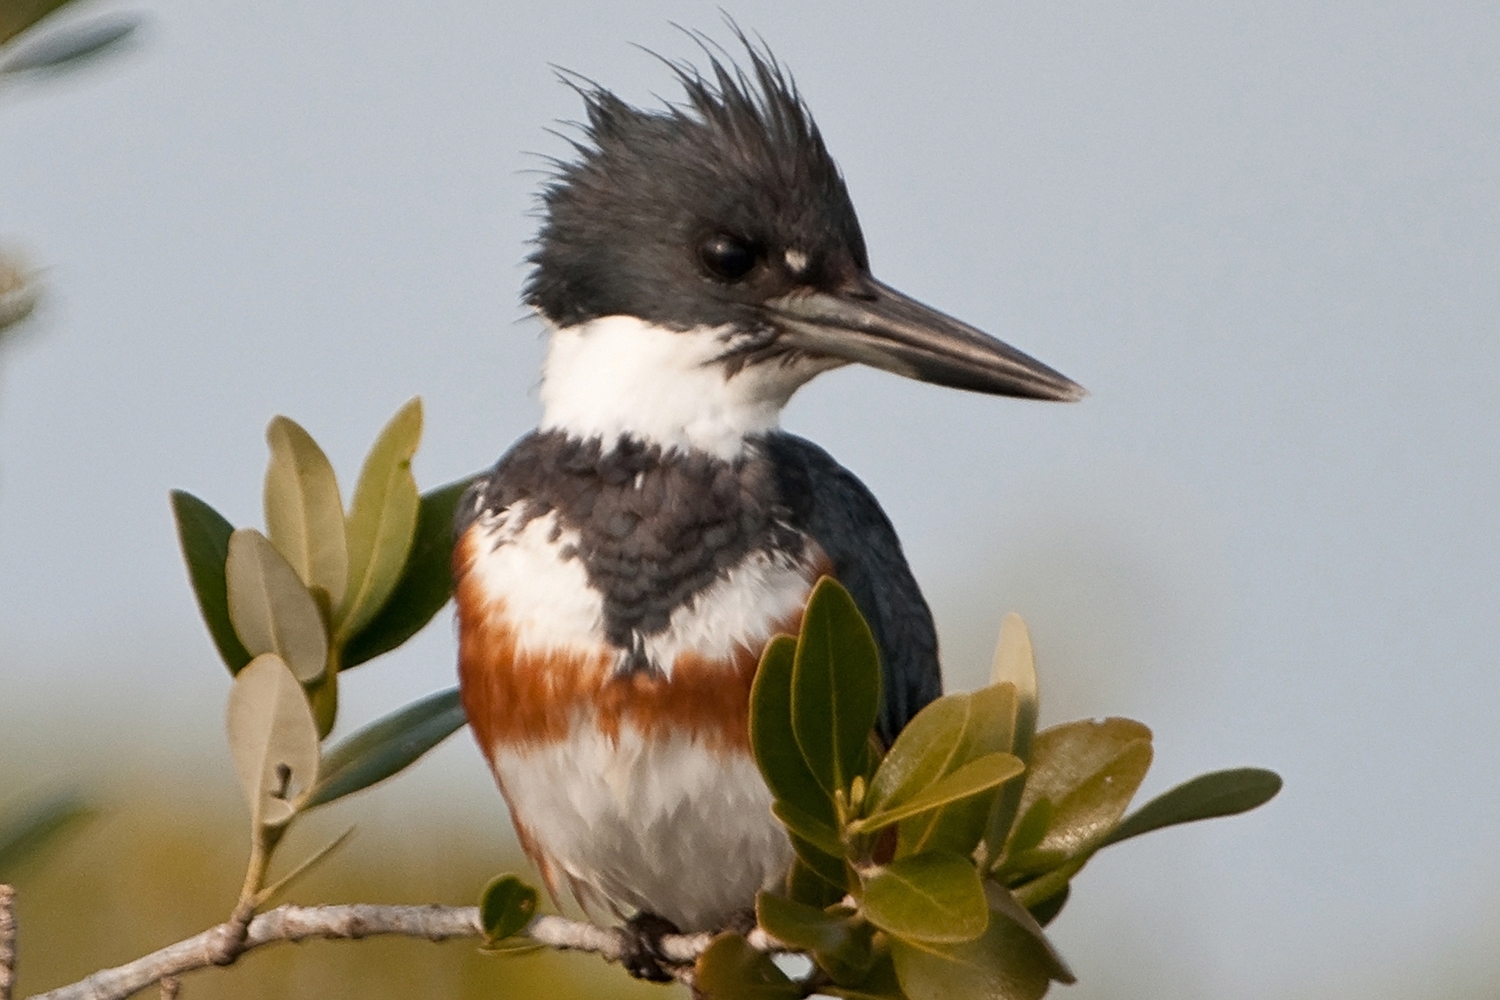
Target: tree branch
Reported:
[(7, 941), (351, 922)]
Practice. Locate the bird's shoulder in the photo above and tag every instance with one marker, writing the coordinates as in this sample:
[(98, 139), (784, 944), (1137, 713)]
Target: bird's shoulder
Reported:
[(842, 516)]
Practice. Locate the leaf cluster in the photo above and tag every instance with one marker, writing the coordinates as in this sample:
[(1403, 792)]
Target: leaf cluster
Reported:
[(928, 869), (321, 590)]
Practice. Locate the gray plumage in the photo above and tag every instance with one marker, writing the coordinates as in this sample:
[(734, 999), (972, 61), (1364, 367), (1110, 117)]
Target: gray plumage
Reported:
[(656, 528)]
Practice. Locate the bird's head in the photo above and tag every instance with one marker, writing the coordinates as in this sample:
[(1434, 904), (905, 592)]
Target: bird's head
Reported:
[(722, 231)]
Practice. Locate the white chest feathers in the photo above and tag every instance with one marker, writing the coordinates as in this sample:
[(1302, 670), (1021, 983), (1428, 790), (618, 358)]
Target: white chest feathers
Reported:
[(534, 577)]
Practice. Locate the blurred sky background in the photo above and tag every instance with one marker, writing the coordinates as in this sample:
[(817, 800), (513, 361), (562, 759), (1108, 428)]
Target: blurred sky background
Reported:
[(1266, 237)]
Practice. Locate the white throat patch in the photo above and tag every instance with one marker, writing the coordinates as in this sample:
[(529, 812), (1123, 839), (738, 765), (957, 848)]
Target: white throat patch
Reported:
[(619, 375)]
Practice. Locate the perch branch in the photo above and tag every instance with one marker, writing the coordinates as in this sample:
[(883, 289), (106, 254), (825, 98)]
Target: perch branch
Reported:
[(350, 922)]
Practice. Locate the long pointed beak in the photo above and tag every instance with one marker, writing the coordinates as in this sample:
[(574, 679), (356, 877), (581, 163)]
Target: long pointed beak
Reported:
[(876, 325)]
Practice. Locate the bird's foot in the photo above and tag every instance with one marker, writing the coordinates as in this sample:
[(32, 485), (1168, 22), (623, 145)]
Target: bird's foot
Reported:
[(642, 957)]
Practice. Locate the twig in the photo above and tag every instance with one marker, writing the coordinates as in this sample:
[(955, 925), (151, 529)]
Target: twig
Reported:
[(7, 941), (350, 922), (170, 987)]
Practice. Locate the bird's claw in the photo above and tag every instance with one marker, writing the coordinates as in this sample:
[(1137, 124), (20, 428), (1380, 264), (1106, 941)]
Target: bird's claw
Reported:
[(642, 955)]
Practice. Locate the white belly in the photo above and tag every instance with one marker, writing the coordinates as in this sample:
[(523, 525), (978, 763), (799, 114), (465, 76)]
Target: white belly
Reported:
[(668, 826)]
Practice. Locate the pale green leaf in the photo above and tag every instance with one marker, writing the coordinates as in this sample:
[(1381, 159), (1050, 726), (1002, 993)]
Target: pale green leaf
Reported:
[(974, 777), (272, 610), (304, 513), (1014, 664), (426, 581), (273, 739), (382, 521)]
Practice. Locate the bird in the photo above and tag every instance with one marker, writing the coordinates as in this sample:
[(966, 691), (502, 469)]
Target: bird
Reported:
[(621, 568)]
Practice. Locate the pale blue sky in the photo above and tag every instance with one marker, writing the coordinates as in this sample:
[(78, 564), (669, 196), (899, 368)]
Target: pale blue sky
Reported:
[(1266, 237)]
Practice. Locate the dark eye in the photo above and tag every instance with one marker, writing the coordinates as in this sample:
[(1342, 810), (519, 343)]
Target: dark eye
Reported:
[(728, 258)]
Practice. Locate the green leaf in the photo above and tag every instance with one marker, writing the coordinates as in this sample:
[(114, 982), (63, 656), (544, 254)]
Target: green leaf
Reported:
[(272, 609), (426, 582), (1032, 826), (934, 897), (1014, 664), (807, 886), (880, 983), (947, 734), (809, 828), (1221, 793), (840, 943), (273, 739), (772, 740), (506, 907), (729, 969), (802, 928), (835, 687), (382, 521), (387, 746), (1009, 961), (304, 513), (25, 833), (18, 15), (68, 44), (1089, 770), (1047, 910), (204, 536), (979, 775), (830, 868), (323, 697)]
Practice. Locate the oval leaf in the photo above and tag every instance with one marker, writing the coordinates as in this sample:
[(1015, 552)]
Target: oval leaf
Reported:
[(381, 522), (304, 514), (772, 740), (272, 610), (935, 898), (1221, 793), (1086, 815), (947, 734), (800, 927), (1008, 962), (835, 686), (426, 581), (273, 739), (1015, 665), (982, 775), (827, 868), (819, 835), (387, 746), (506, 907), (204, 536), (729, 969), (1065, 756)]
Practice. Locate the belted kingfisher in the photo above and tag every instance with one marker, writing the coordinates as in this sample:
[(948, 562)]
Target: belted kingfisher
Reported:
[(621, 568)]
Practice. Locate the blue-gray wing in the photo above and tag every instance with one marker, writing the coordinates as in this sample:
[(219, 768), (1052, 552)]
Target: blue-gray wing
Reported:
[(842, 516)]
